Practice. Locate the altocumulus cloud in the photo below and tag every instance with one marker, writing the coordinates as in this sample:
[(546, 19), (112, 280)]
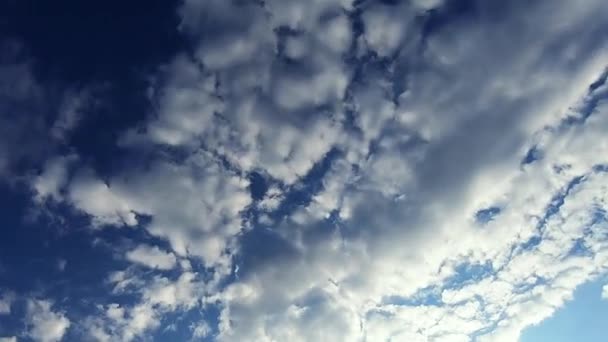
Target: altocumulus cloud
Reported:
[(151, 257), (323, 170), (44, 324)]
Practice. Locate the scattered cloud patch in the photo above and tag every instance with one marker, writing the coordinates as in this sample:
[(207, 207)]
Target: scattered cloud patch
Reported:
[(152, 256), (44, 324)]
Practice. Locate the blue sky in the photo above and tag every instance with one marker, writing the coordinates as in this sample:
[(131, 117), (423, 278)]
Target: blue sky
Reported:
[(584, 318), (287, 170)]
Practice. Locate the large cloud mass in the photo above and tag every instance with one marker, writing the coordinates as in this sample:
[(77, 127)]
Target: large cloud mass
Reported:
[(429, 171)]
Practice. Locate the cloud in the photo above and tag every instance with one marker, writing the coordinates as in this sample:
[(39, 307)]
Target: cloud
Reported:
[(514, 255), (605, 292), (380, 133), (115, 322), (255, 112), (96, 198), (521, 286), (196, 205), (43, 324), (200, 330), (158, 296), (152, 257), (50, 183), (420, 194), (386, 27)]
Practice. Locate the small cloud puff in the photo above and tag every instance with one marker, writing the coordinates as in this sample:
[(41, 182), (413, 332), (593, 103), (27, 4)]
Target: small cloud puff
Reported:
[(152, 256), (44, 324)]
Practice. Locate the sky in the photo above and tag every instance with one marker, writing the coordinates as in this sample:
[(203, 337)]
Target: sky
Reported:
[(583, 319), (290, 170)]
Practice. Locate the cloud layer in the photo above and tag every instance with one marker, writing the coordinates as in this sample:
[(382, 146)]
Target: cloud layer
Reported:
[(338, 170)]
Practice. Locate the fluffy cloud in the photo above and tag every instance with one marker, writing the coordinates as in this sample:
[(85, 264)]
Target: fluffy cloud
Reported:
[(501, 275), (44, 324), (420, 187), (50, 183), (151, 257), (157, 297), (605, 292), (95, 197), (382, 131), (200, 330), (386, 27), (195, 205), (255, 108)]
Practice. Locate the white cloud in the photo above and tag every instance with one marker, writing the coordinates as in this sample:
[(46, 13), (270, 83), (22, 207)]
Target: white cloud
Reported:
[(50, 183), (389, 246), (95, 197), (118, 323), (200, 330), (158, 297), (528, 286), (336, 34), (8, 339), (196, 206), (191, 99), (410, 205), (43, 324), (152, 256), (293, 92), (183, 292), (605, 292), (386, 27), (244, 105)]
